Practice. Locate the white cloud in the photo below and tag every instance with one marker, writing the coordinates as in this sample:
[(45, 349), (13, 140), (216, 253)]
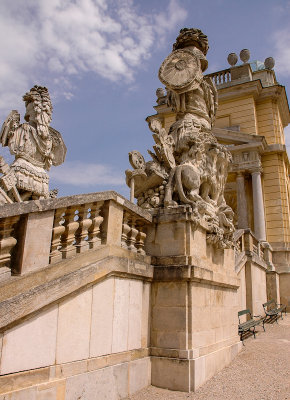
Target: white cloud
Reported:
[(282, 51), (86, 174), (44, 41)]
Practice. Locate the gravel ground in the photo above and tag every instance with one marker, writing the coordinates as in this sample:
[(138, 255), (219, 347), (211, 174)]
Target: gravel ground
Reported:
[(261, 371)]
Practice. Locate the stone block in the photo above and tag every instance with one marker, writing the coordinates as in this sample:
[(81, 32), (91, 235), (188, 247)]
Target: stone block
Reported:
[(121, 378), (112, 225), (140, 374), (170, 294), (35, 241), (169, 318), (74, 323), (48, 393), (203, 368), (171, 340), (26, 394), (105, 384), (86, 386), (170, 373), (102, 318), (167, 239), (31, 344), (135, 314), (285, 289), (145, 327), (203, 338), (121, 315), (71, 368)]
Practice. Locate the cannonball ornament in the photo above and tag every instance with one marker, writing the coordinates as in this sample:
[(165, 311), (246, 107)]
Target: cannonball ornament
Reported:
[(232, 59), (160, 92), (245, 55), (269, 63)]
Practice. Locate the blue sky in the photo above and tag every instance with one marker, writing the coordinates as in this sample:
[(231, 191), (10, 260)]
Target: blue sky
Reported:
[(100, 59)]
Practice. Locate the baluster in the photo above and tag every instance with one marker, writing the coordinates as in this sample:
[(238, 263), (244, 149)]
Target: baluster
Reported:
[(94, 232), (57, 231), (68, 237), (82, 232), (228, 76), (125, 230), (7, 243), (132, 235), (140, 240)]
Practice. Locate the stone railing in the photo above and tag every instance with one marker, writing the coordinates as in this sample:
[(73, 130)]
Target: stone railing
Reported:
[(247, 244), (220, 77), (37, 233)]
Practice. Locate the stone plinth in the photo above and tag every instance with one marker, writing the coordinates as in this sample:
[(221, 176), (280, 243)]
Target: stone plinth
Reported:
[(194, 302)]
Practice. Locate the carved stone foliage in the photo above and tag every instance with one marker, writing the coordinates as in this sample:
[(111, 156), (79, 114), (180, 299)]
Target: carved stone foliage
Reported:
[(35, 145), (188, 165)]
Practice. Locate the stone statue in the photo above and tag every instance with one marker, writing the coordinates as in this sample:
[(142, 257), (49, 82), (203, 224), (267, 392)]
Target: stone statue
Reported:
[(188, 165), (35, 145)]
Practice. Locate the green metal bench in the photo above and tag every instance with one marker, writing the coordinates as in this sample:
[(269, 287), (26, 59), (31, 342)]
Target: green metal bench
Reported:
[(272, 309), (249, 324)]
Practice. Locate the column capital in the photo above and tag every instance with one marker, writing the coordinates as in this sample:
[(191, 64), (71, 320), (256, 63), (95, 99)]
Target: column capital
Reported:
[(256, 170)]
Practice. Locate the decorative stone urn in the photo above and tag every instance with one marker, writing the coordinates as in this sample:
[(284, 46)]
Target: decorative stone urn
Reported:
[(232, 59), (245, 55)]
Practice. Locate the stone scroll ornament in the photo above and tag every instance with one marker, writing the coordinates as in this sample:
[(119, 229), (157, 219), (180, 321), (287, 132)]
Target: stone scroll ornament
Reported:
[(188, 165), (36, 147)]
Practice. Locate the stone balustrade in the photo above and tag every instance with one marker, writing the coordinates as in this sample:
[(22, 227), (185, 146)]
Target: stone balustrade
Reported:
[(247, 243), (220, 77), (37, 233)]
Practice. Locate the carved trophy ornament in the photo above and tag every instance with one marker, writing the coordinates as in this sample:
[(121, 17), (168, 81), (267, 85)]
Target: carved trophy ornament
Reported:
[(188, 165), (35, 145)]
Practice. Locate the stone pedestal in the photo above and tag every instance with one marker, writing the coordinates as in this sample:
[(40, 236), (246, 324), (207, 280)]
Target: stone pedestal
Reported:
[(194, 326)]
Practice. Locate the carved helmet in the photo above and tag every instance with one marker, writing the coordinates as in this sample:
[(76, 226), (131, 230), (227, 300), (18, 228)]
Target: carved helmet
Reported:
[(193, 37)]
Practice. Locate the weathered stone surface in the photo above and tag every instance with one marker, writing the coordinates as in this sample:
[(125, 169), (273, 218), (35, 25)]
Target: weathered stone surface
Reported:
[(74, 325), (35, 241), (31, 344), (121, 315), (29, 293), (140, 374), (102, 310), (135, 314)]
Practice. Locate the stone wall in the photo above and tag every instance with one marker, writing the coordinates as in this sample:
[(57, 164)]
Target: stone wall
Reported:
[(95, 341), (118, 300)]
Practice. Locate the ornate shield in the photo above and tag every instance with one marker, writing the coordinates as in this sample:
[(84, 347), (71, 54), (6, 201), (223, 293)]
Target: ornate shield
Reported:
[(181, 71), (58, 147)]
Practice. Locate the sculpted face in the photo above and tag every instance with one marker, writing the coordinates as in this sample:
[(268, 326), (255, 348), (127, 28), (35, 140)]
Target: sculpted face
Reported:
[(30, 115)]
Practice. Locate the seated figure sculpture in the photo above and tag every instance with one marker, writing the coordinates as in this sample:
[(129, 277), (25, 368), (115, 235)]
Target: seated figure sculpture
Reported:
[(188, 165), (35, 145)]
